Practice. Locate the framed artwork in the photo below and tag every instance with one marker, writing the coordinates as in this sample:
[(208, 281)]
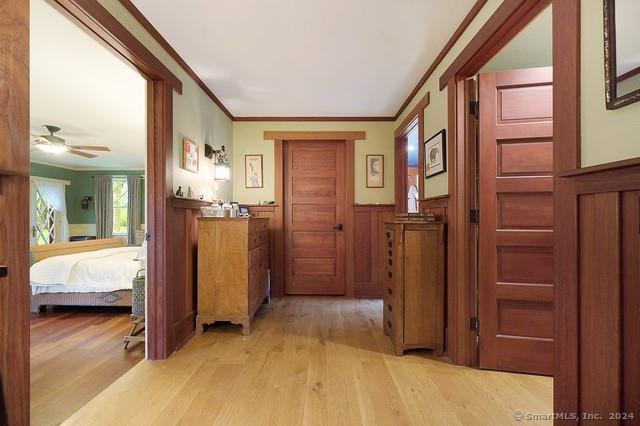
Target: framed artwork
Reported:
[(435, 154), (190, 155), (253, 171), (375, 171)]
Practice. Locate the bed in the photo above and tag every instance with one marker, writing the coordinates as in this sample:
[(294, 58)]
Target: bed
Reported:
[(84, 273)]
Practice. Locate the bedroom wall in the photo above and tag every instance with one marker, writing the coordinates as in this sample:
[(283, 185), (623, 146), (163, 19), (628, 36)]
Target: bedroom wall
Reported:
[(195, 116), (81, 186), (248, 139)]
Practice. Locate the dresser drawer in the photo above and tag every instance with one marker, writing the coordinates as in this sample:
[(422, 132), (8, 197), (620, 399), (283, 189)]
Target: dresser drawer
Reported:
[(256, 226), (257, 256), (257, 239), (257, 285)]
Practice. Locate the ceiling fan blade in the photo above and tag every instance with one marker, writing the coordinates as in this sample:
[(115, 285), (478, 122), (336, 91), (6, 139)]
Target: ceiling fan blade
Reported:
[(82, 154), (90, 148)]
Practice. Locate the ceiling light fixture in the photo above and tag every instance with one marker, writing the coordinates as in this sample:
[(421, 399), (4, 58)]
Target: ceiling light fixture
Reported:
[(50, 148)]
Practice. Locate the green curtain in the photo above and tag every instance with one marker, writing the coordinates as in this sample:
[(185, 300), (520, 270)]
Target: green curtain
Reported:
[(133, 208), (103, 197)]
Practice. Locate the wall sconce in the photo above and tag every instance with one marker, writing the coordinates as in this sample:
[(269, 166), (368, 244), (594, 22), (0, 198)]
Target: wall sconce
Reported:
[(85, 202), (223, 170)]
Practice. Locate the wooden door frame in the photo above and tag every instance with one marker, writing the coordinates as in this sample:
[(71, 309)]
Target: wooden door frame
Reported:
[(161, 83), (279, 138), (507, 21), (414, 118)]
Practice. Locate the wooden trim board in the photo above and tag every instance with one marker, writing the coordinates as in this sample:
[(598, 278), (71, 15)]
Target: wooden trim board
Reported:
[(313, 136)]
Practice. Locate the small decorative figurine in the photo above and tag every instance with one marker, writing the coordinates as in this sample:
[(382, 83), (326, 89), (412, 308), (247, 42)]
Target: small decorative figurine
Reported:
[(179, 192), (189, 192)]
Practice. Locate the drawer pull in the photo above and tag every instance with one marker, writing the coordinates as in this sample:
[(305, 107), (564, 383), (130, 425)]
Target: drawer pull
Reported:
[(389, 307), (390, 252), (389, 274), (389, 324), (388, 234), (390, 262), (390, 291), (390, 244)]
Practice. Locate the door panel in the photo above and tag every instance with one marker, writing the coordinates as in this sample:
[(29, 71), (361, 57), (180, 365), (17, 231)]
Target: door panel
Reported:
[(14, 212), (515, 295), (315, 201)]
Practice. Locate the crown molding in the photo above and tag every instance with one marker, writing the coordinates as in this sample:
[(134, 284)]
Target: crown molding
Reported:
[(135, 12), (342, 118)]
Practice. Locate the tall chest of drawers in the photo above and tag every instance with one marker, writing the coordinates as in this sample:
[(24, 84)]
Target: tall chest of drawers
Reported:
[(233, 259), (414, 285)]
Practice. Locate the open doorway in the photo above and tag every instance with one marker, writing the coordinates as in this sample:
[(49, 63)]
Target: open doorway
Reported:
[(514, 182), (88, 206)]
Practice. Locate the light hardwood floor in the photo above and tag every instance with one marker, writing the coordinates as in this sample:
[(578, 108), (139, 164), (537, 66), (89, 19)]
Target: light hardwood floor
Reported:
[(311, 360), (75, 354)]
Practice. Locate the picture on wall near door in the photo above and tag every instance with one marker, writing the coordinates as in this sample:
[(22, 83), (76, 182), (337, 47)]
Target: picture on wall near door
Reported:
[(375, 171), (253, 171), (190, 155), (435, 157)]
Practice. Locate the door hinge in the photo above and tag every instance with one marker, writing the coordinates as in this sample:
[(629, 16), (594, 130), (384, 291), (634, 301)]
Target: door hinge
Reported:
[(475, 324), (147, 236), (474, 216), (474, 108)]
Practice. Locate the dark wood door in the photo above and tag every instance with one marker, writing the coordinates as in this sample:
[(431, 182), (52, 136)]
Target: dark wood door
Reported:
[(14, 213), (315, 213), (516, 221)]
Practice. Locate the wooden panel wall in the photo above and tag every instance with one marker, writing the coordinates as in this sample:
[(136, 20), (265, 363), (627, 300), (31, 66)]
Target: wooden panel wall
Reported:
[(369, 248), (436, 205), (184, 246), (606, 365)]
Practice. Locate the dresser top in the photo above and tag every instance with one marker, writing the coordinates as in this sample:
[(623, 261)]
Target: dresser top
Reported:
[(231, 219)]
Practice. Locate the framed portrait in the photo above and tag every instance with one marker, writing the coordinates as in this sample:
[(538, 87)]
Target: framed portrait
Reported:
[(375, 171), (190, 155), (435, 154), (253, 171)]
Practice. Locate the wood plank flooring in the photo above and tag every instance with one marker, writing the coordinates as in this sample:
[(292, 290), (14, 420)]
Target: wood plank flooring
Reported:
[(75, 354), (312, 361)]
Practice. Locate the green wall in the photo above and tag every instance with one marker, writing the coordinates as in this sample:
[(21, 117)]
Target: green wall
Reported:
[(81, 186)]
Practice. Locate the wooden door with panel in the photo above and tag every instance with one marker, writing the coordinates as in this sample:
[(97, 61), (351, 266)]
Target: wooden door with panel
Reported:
[(516, 221), (14, 213), (315, 213)]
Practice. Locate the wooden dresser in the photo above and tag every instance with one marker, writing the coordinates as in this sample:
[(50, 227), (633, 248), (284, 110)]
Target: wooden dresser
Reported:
[(233, 259), (414, 285)]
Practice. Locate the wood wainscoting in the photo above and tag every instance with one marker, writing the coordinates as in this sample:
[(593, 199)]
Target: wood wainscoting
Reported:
[(369, 247), (603, 374), (184, 246), (436, 205)]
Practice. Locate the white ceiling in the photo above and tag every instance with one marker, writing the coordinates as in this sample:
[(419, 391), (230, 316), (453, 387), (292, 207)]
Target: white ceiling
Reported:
[(82, 87), (308, 57)]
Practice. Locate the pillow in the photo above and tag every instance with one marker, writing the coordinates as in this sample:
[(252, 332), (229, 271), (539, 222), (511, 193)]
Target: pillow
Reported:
[(142, 252)]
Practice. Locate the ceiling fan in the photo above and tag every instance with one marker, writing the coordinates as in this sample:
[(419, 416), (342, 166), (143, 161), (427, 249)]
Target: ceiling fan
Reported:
[(53, 144)]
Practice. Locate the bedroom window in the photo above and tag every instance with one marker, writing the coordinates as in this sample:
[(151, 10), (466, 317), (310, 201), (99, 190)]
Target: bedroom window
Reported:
[(44, 229), (120, 205)]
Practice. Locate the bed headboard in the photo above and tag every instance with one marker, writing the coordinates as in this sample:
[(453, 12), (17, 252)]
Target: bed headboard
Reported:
[(59, 249)]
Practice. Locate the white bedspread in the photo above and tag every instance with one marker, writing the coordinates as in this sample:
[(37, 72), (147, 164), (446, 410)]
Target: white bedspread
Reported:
[(95, 271)]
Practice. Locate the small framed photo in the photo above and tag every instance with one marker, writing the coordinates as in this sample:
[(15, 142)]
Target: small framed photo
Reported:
[(435, 154), (190, 155), (253, 171), (375, 171)]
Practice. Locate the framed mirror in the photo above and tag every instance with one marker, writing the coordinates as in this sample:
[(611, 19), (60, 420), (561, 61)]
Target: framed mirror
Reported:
[(621, 52)]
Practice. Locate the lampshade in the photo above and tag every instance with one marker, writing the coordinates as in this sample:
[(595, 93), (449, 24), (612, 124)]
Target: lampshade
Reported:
[(223, 172)]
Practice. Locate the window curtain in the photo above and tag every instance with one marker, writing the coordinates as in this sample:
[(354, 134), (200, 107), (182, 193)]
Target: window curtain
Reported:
[(134, 208), (103, 197), (54, 193)]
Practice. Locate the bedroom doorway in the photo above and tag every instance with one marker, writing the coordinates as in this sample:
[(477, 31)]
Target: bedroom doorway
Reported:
[(87, 216)]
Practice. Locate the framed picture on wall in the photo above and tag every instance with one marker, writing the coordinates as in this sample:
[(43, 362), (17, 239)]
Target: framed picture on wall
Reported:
[(375, 171), (435, 154), (253, 171), (190, 155)]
